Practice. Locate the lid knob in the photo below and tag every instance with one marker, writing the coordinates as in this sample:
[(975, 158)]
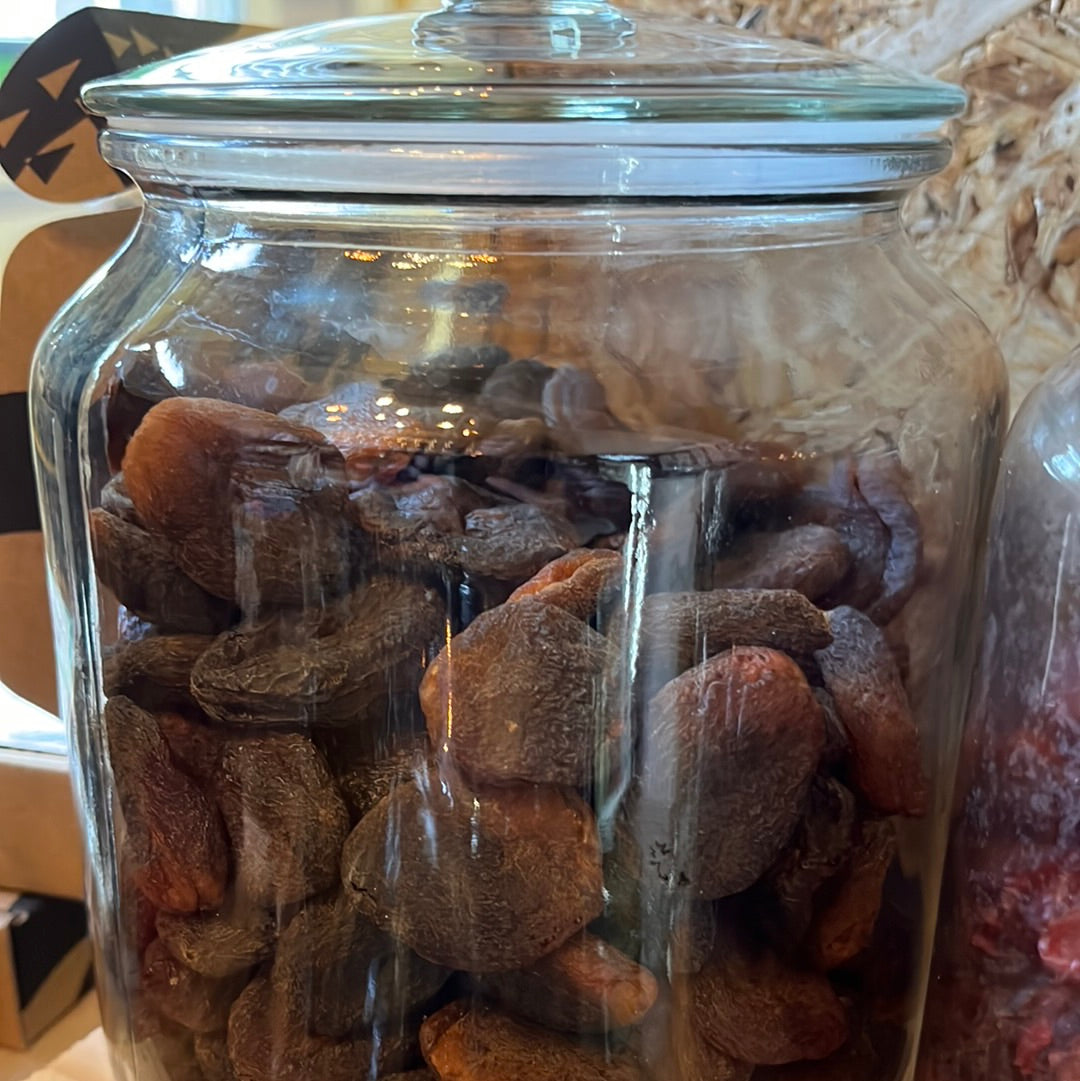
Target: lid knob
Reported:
[(524, 29)]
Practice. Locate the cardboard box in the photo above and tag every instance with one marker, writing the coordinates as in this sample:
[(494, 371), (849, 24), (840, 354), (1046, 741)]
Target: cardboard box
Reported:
[(45, 964)]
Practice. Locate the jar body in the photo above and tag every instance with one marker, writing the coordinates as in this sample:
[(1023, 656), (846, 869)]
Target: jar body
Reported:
[(1002, 999), (533, 627)]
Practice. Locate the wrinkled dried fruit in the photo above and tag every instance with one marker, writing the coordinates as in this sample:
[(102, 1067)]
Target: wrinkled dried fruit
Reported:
[(736, 741), (861, 675), (757, 1010), (574, 582), (857, 1060), (212, 1055), (177, 844), (217, 945), (821, 845), (139, 570), (251, 506), (116, 501), (663, 929), (840, 505), (463, 1042), (285, 818), (155, 672), (484, 880), (366, 778), (881, 482), (837, 744), (672, 1046), (514, 696), (516, 389), (1059, 946), (184, 996), (290, 671), (194, 745), (810, 559), (166, 1054), (265, 1045), (585, 985), (679, 630), (430, 508), (845, 925), (575, 409), (335, 971), (512, 542)]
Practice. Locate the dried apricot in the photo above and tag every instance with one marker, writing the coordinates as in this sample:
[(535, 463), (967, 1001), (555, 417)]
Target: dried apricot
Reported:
[(845, 925), (756, 1009), (177, 843), (139, 570), (515, 696), (574, 581), (184, 996), (217, 945), (585, 985), (861, 675), (336, 971), (155, 672), (734, 741), (293, 670), (809, 559), (484, 880), (679, 630), (285, 818), (464, 1042), (266, 1045), (251, 506)]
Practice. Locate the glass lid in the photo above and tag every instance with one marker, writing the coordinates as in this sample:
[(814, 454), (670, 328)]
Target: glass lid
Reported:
[(628, 104)]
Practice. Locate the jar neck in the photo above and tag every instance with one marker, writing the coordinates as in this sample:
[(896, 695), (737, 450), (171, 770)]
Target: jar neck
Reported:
[(550, 227)]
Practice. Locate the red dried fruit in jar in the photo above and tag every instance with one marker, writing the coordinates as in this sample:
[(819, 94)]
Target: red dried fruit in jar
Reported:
[(861, 675), (466, 1042), (139, 570), (756, 1009), (734, 741), (285, 818), (218, 945), (484, 879), (184, 996), (573, 582), (810, 559), (155, 672), (322, 667), (586, 985), (844, 925), (177, 844), (250, 505), (1059, 946), (517, 696), (335, 971)]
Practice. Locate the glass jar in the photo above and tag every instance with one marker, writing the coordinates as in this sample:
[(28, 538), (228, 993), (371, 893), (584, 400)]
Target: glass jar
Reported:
[(1003, 1000), (511, 511)]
